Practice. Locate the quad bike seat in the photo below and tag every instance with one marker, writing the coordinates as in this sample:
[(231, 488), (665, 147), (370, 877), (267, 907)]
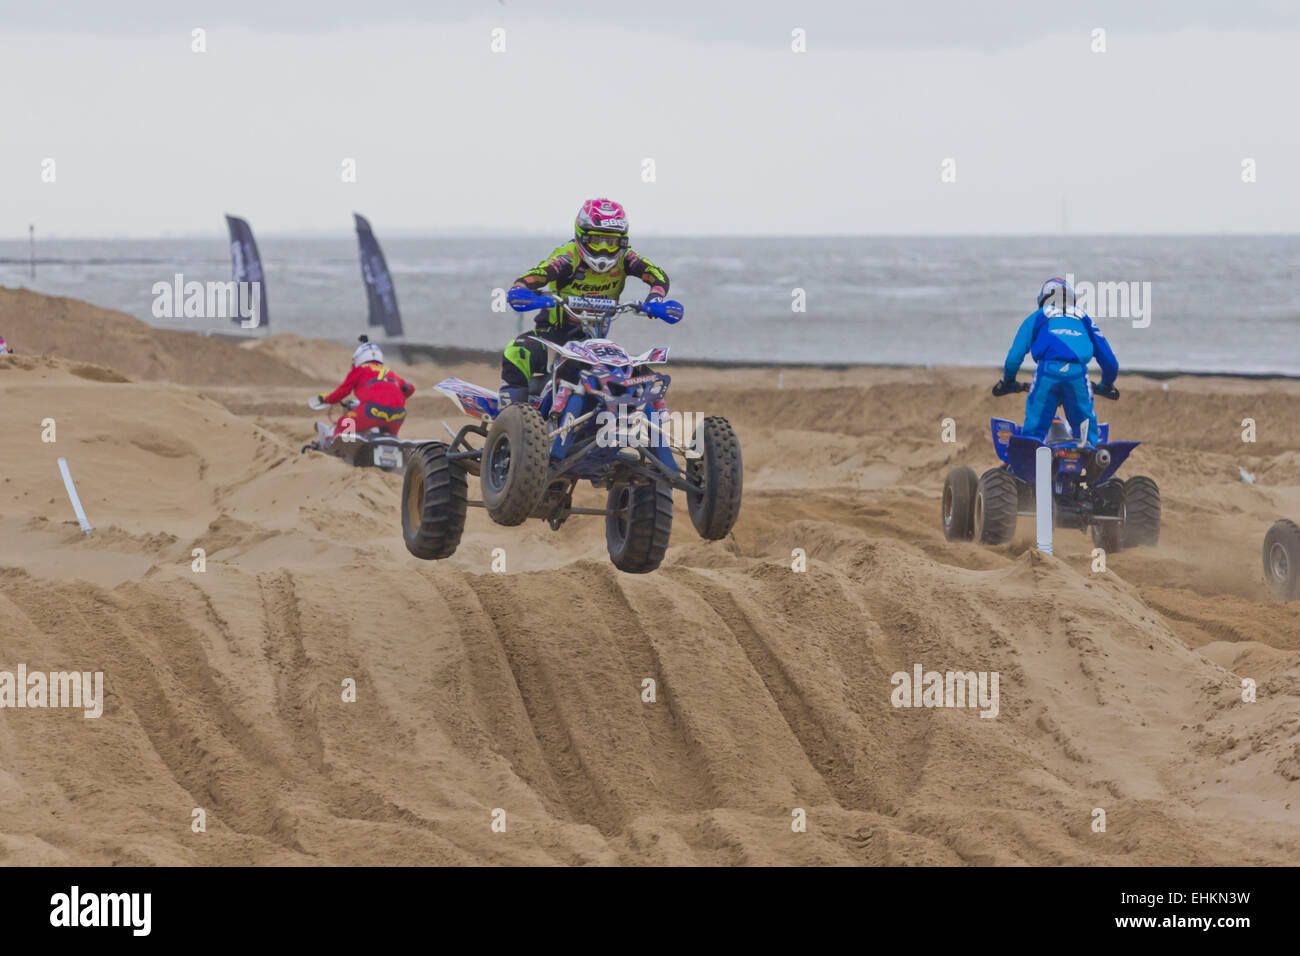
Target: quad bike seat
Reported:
[(1059, 432)]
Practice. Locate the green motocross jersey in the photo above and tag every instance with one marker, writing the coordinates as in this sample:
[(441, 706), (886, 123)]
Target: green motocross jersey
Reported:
[(566, 274)]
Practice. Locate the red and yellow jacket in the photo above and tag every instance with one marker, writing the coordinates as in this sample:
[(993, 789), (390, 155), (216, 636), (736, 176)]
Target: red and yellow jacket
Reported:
[(373, 383)]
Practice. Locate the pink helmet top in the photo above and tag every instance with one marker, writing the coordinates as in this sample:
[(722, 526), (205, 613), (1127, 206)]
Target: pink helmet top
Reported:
[(601, 215)]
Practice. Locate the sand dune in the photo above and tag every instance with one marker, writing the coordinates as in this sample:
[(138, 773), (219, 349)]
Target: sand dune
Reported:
[(523, 690)]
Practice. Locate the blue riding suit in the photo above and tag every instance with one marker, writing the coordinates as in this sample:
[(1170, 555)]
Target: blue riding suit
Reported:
[(1062, 343)]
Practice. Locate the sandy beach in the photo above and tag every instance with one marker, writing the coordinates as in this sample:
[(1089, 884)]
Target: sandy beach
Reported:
[(479, 691)]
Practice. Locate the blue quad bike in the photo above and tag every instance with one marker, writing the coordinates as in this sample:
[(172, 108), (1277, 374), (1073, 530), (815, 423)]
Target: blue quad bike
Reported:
[(1282, 559), (1086, 492), (596, 414)]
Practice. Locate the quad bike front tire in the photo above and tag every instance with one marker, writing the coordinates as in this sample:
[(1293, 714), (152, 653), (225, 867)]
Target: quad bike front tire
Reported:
[(958, 510), (720, 473), (638, 525), (515, 459), (1282, 559), (997, 506), (1141, 513), (434, 495)]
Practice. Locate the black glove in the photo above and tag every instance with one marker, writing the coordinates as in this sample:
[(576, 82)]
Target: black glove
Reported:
[(652, 297), (1005, 386), (1106, 391)]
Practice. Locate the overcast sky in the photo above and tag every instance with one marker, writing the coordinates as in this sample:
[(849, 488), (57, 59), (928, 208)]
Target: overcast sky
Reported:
[(746, 136)]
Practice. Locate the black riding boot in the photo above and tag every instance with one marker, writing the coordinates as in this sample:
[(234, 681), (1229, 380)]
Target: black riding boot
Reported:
[(510, 394)]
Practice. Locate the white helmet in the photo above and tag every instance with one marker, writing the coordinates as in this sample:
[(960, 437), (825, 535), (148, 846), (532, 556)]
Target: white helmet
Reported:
[(1058, 293), (367, 351)]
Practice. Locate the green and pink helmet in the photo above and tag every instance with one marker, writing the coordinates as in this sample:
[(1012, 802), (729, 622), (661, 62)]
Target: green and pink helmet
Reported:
[(600, 231)]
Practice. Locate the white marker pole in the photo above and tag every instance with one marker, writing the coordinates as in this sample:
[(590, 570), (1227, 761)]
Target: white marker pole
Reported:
[(1043, 497), (72, 496)]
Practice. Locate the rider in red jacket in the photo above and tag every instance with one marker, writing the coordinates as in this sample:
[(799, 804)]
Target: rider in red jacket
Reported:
[(381, 392)]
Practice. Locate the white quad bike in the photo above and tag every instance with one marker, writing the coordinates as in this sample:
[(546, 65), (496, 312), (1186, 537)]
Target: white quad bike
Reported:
[(371, 448), (591, 416)]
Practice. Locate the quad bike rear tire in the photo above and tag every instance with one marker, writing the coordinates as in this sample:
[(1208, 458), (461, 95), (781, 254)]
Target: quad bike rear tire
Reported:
[(720, 470), (638, 525), (958, 509), (997, 506), (1282, 559), (515, 459), (434, 494), (1141, 513)]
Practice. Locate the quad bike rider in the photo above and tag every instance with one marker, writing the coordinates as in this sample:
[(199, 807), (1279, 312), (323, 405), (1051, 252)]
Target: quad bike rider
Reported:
[(595, 263), (366, 434), (1086, 494), (1063, 339), (381, 394), (548, 426)]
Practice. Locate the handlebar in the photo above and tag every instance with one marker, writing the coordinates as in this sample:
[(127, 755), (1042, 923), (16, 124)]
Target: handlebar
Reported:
[(1111, 393), (579, 303), (593, 314), (317, 405)]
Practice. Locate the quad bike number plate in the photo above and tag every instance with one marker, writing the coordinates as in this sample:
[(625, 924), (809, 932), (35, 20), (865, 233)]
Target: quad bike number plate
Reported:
[(386, 456)]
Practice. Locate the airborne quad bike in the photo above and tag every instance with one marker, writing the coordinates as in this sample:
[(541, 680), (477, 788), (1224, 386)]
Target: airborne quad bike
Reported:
[(533, 453), (1086, 494), (372, 448), (1282, 559)]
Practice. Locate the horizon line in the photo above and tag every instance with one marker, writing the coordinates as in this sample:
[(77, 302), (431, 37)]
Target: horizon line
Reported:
[(450, 233)]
